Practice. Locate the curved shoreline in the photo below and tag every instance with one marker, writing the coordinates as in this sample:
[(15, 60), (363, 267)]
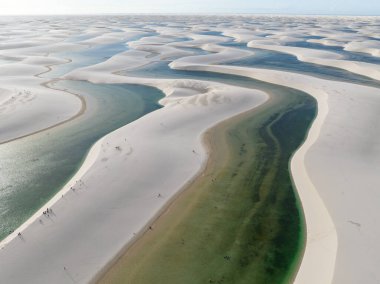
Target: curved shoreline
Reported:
[(160, 215), (317, 248), (87, 162), (311, 200), (325, 58), (81, 111), (46, 85), (162, 227), (78, 114), (67, 188), (222, 110), (73, 166), (339, 156)]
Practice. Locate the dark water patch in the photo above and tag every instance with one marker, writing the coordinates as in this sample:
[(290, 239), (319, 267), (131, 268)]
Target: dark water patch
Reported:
[(262, 59), (212, 33), (347, 30), (374, 38), (312, 37), (268, 246), (348, 55), (234, 44), (286, 62)]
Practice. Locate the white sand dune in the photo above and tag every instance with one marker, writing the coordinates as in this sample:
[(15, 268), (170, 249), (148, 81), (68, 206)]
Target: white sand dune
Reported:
[(153, 40), (42, 49), (145, 54), (29, 107), (220, 54), (169, 31), (199, 40), (241, 35), (163, 51), (303, 54), (369, 46), (43, 61), (327, 42), (123, 61), (115, 37)]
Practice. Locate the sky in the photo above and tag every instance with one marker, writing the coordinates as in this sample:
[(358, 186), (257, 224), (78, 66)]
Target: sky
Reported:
[(332, 7)]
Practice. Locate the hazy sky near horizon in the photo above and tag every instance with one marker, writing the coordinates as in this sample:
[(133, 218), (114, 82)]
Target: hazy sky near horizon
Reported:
[(350, 7)]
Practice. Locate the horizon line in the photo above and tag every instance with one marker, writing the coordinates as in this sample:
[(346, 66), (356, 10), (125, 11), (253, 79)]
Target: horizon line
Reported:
[(194, 14)]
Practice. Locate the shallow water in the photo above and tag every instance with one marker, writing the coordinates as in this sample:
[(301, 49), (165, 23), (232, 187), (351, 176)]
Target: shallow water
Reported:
[(275, 60), (256, 181), (85, 57), (90, 56), (212, 33), (34, 168)]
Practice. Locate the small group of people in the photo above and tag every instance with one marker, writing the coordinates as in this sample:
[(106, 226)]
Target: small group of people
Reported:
[(47, 211)]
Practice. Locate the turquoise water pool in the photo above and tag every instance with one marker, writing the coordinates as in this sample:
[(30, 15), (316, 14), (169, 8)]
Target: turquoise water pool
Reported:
[(34, 168)]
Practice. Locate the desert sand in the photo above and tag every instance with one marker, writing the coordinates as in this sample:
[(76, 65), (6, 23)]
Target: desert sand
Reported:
[(100, 211)]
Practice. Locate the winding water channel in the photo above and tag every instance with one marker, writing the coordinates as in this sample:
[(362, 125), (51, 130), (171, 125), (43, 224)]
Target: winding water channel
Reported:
[(34, 168)]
